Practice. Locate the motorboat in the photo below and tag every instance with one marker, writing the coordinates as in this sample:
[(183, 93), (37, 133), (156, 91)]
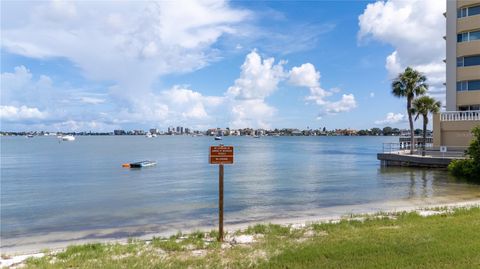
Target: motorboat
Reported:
[(139, 164), (218, 138), (68, 138)]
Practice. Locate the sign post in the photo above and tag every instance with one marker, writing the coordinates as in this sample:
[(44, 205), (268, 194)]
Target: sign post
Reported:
[(443, 149), (220, 155)]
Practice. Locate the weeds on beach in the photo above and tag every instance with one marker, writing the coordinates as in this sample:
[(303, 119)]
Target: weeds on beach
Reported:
[(446, 239)]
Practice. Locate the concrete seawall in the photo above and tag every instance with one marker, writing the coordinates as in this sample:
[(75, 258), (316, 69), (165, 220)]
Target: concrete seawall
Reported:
[(396, 159)]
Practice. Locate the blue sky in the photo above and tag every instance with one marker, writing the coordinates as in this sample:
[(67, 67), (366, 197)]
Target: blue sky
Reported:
[(75, 66)]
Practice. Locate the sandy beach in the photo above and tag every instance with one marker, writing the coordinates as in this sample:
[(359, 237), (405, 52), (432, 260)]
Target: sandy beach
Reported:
[(25, 247)]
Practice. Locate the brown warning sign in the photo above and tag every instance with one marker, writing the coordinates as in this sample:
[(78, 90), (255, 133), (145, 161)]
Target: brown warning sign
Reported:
[(221, 155)]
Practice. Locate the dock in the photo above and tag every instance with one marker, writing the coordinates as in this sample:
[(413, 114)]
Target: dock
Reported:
[(395, 154)]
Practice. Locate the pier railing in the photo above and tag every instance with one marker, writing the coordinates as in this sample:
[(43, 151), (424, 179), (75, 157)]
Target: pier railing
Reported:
[(430, 150), (460, 115)]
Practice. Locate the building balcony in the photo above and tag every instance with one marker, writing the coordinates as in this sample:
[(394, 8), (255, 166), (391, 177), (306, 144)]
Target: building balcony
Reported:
[(468, 73), (465, 3), (468, 48), (467, 23), (466, 98), (473, 115)]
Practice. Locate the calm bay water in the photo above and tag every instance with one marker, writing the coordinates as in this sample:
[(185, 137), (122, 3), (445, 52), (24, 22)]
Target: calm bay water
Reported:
[(50, 186)]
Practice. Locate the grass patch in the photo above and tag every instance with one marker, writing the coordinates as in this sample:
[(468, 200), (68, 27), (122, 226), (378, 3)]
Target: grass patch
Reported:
[(402, 240)]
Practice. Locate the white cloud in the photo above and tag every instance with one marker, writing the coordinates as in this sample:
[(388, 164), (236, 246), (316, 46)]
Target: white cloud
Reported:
[(345, 104), (258, 79), (318, 95), (372, 94), (253, 113), (305, 76), (22, 113), (392, 118), (128, 44), (91, 100), (415, 34), (189, 104)]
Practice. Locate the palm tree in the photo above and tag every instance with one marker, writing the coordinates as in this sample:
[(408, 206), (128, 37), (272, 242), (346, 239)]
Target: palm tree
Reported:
[(409, 84), (423, 106)]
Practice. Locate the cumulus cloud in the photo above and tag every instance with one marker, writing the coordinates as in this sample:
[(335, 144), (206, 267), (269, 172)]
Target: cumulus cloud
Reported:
[(416, 36), (258, 79), (392, 118), (251, 113), (189, 104), (345, 104), (307, 76), (13, 114), (128, 44)]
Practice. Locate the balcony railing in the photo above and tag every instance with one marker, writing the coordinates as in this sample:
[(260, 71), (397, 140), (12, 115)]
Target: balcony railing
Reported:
[(460, 115)]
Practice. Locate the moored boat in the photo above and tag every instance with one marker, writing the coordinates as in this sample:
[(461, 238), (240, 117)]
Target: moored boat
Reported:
[(140, 164), (68, 138), (218, 138)]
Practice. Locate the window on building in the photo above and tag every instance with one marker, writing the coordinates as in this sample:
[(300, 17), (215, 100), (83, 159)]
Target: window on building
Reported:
[(468, 85), (469, 107), (460, 61), (474, 11), (473, 85), (468, 60), (474, 35), (468, 36), (468, 11), (461, 86)]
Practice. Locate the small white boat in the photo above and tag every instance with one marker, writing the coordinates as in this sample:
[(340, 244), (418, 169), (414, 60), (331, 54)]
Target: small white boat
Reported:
[(256, 136), (68, 138), (29, 135), (218, 138), (139, 164), (148, 135)]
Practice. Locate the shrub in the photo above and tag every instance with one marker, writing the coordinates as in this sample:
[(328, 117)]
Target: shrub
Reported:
[(469, 168)]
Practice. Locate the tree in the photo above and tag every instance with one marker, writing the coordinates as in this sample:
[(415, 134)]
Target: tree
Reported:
[(409, 84), (422, 107), (387, 130), (376, 131)]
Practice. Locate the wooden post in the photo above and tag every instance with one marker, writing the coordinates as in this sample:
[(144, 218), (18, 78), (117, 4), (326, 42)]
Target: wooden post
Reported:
[(220, 203)]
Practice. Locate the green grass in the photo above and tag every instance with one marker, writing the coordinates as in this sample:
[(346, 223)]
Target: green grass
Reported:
[(406, 240)]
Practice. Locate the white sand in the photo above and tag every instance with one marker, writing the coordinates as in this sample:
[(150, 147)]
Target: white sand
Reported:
[(19, 249)]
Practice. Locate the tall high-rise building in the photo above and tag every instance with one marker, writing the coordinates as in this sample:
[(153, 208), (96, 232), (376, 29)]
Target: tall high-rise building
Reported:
[(453, 127)]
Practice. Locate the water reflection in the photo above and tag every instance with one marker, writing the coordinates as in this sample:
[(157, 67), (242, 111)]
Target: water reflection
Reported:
[(424, 183)]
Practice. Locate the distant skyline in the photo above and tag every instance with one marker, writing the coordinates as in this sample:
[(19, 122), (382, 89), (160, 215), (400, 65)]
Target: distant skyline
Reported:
[(100, 66)]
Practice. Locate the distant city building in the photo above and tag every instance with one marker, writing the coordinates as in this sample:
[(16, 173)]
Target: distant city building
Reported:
[(119, 132), (154, 131), (138, 132)]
